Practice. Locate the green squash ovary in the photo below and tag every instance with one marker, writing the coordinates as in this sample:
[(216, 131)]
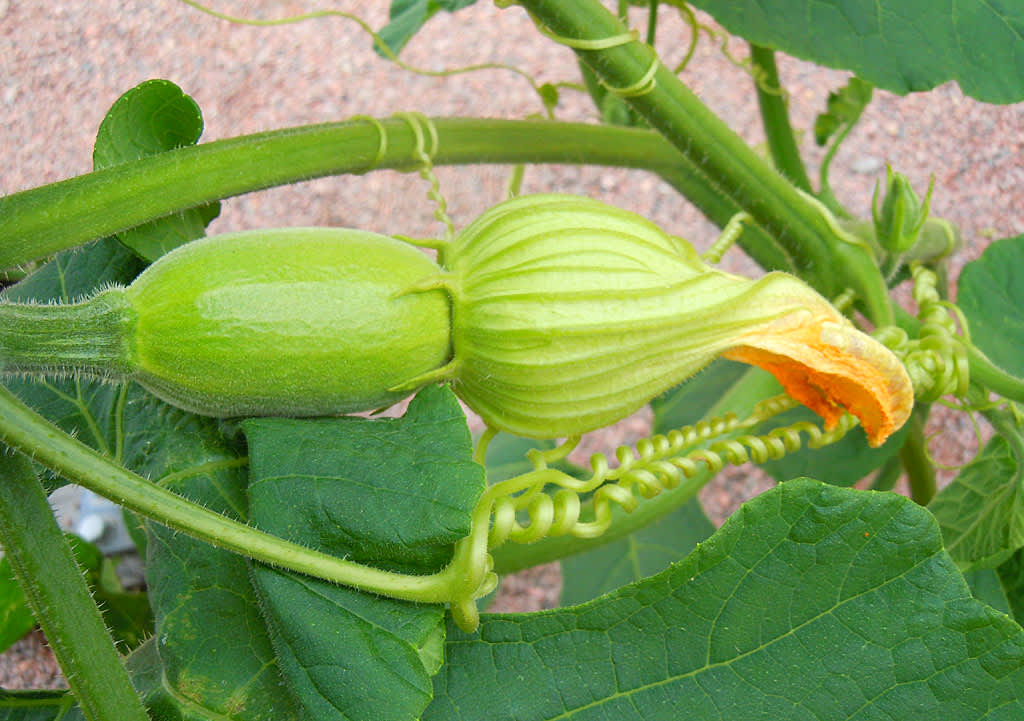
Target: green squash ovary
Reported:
[(298, 321)]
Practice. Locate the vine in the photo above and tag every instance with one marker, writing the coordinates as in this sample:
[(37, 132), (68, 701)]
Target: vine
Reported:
[(546, 97)]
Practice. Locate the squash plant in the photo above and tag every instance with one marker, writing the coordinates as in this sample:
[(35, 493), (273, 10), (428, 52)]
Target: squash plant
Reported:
[(304, 564)]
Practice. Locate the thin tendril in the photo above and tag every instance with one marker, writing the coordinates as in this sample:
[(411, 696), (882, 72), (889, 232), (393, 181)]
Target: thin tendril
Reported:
[(378, 42), (979, 441), (747, 65), (419, 122), (728, 237), (844, 301), (657, 464), (686, 12), (644, 85), (611, 41), (382, 140)]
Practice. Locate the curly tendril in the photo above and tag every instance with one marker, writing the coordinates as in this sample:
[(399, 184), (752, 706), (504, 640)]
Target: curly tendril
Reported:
[(643, 86), (655, 465), (523, 509), (423, 128), (382, 140), (936, 360)]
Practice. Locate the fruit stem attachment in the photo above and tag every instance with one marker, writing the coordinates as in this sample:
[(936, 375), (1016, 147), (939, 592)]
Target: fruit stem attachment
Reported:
[(90, 337)]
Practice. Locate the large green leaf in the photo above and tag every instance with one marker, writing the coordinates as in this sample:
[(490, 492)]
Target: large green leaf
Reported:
[(981, 512), (213, 644), (812, 603), (990, 292), (349, 655), (648, 551), (899, 45), (396, 493), (151, 118), (392, 491)]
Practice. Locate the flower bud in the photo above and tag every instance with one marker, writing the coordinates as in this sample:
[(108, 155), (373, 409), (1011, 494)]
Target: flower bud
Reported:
[(569, 314), (898, 223)]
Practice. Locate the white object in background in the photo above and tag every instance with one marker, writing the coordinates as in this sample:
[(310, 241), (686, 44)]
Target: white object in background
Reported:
[(101, 522)]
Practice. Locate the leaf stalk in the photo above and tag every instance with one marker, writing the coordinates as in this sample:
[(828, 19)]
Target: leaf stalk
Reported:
[(59, 597)]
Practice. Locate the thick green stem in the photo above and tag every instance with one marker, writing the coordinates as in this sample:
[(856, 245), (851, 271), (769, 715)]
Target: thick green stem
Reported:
[(775, 118), (59, 597), (916, 462), (24, 429), (88, 337), (723, 158), (108, 201)]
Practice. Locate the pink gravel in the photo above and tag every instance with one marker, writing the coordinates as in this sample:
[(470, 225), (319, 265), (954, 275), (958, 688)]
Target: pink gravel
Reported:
[(62, 64)]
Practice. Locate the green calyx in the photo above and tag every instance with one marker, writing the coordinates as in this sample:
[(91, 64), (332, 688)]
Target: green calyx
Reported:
[(899, 220)]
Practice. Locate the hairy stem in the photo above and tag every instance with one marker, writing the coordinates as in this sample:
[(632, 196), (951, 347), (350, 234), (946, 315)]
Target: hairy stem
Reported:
[(722, 157), (24, 429), (108, 201), (775, 118), (59, 597), (914, 455), (90, 337)]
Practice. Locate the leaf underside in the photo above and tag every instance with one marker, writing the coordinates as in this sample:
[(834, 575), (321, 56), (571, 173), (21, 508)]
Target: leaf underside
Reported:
[(899, 45)]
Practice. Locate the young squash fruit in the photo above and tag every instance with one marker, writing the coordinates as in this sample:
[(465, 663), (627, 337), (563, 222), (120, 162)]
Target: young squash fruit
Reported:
[(297, 321), (551, 315)]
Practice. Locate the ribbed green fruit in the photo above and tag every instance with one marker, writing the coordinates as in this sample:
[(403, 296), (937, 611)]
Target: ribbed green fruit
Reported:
[(298, 321)]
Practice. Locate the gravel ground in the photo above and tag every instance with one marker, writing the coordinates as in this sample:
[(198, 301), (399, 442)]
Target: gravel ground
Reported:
[(62, 64)]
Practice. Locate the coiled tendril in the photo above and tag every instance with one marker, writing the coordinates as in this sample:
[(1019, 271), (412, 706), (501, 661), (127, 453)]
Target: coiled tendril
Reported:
[(655, 465), (522, 510), (937, 359)]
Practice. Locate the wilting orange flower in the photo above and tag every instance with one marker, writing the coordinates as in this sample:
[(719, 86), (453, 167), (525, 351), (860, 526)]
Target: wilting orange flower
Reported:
[(830, 366)]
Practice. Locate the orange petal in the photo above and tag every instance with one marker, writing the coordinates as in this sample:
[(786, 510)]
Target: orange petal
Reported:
[(830, 366)]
